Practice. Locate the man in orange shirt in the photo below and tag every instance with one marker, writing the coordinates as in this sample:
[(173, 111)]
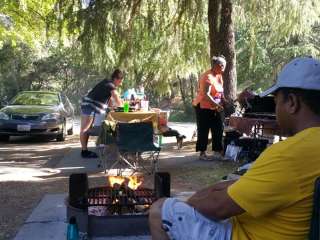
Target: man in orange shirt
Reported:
[(208, 108), (273, 199)]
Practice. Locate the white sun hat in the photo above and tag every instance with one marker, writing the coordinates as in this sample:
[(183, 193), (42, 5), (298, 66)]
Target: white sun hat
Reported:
[(302, 73)]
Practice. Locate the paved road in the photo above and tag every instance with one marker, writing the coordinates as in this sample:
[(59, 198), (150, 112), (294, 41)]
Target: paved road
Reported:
[(36, 154)]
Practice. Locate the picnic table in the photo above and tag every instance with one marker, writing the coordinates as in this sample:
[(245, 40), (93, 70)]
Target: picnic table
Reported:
[(108, 126), (135, 117)]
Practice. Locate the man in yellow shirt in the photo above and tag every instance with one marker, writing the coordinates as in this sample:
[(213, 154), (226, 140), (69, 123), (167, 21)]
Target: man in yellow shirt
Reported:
[(273, 200)]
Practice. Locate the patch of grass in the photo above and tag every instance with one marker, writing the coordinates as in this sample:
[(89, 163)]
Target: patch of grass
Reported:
[(203, 175)]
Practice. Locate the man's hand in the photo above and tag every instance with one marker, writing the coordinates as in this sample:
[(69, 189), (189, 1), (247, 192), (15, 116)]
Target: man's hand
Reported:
[(214, 202), (219, 108)]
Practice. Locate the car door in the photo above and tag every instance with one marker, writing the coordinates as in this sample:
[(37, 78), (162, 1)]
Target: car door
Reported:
[(69, 111), (71, 108)]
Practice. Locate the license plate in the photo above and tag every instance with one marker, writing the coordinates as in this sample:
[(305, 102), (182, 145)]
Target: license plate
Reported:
[(23, 128)]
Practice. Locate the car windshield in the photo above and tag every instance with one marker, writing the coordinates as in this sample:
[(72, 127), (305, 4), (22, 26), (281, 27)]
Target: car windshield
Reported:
[(36, 98)]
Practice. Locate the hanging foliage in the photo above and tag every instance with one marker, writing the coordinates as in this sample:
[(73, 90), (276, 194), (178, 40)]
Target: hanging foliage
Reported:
[(155, 41), (269, 34)]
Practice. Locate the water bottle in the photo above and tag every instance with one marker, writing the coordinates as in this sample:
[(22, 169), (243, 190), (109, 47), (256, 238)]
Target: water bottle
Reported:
[(72, 232)]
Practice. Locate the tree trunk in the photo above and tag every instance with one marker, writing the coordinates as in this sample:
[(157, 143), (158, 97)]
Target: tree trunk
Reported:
[(183, 92), (214, 9), (172, 90), (192, 85), (222, 41)]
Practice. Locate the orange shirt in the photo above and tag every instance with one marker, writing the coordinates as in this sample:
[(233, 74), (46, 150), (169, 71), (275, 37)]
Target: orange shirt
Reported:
[(215, 81)]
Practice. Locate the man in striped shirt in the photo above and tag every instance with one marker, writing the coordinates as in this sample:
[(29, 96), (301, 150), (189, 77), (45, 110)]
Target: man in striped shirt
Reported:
[(96, 102)]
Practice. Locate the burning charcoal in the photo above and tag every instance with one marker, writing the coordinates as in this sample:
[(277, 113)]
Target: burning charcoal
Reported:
[(121, 201)]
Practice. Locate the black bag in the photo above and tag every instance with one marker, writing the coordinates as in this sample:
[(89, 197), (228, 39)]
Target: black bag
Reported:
[(229, 107)]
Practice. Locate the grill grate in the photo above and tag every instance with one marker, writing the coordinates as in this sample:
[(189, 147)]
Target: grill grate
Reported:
[(108, 196)]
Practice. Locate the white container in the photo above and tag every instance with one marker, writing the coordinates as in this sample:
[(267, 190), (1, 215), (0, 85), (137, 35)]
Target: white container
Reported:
[(144, 105)]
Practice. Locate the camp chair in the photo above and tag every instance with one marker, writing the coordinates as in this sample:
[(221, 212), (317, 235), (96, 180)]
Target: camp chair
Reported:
[(136, 148), (315, 219)]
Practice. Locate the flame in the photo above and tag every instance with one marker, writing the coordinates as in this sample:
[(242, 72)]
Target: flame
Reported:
[(116, 180), (134, 182)]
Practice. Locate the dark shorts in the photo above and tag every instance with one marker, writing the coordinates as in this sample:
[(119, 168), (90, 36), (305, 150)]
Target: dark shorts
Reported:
[(87, 110)]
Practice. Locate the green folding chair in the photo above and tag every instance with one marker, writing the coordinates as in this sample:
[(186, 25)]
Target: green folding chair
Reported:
[(138, 152)]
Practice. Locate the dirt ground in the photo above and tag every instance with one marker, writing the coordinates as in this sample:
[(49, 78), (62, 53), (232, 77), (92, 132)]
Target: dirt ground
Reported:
[(21, 191)]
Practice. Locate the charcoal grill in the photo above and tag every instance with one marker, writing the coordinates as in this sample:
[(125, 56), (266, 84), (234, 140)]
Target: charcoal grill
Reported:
[(127, 213), (262, 115), (122, 200), (261, 105)]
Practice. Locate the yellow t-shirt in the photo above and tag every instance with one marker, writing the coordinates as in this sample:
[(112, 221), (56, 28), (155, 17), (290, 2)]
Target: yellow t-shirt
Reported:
[(277, 191)]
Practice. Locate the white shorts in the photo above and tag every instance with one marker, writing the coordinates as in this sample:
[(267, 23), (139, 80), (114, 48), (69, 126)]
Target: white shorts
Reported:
[(182, 221)]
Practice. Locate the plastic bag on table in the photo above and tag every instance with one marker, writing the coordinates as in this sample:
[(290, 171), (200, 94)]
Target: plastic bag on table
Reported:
[(232, 152)]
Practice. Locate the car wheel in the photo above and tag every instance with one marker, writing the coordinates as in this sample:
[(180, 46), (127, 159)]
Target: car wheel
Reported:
[(4, 138), (70, 131), (62, 136)]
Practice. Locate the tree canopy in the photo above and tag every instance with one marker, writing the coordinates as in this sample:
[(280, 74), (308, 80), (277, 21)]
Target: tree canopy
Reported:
[(160, 44), (269, 33)]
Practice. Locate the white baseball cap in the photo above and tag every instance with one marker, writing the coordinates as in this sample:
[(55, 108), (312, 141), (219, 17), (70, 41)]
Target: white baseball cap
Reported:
[(303, 73)]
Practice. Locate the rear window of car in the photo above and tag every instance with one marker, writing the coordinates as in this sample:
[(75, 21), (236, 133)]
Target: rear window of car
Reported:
[(35, 98)]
